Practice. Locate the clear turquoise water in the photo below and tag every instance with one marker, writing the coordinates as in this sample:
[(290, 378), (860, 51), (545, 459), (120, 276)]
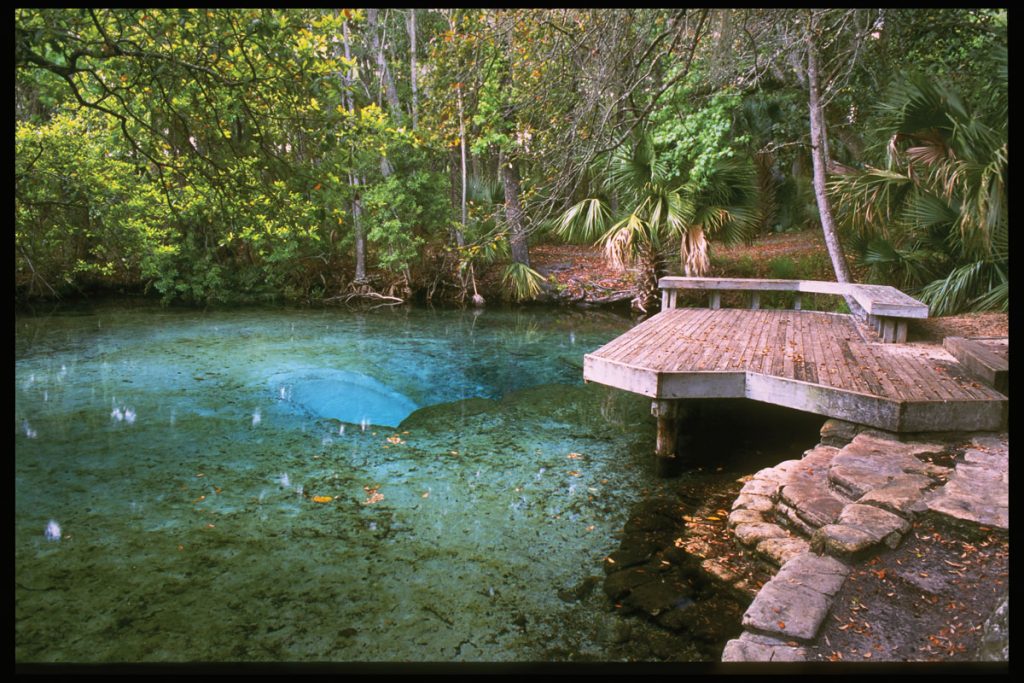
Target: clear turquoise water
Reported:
[(469, 476)]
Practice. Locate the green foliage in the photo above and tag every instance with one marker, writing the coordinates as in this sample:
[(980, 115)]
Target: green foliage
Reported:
[(82, 215), (523, 282), (935, 217), (695, 139), (221, 154), (402, 215)]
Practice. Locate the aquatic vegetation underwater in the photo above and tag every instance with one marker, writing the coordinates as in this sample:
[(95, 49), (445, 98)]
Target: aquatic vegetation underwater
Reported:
[(295, 485), (268, 484)]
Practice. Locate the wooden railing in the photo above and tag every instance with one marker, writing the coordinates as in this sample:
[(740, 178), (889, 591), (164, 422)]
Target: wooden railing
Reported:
[(886, 308)]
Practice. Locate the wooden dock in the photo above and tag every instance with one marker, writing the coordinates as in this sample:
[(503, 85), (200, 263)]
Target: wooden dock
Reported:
[(821, 363)]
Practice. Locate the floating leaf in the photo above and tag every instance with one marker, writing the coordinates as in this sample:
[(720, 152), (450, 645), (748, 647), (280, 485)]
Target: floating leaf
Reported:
[(322, 499)]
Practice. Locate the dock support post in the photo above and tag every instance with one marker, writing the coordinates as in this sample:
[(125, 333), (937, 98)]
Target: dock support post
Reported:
[(667, 413)]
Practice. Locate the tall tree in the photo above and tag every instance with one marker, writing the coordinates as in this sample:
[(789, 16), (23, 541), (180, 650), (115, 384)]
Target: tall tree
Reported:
[(819, 152)]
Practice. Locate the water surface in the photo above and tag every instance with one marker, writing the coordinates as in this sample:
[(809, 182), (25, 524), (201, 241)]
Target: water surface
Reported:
[(267, 484)]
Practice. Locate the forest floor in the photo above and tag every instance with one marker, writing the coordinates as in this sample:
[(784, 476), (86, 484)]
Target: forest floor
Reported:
[(583, 274)]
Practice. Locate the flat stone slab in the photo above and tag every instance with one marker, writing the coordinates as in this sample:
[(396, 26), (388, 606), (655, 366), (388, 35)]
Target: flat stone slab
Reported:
[(742, 516), (792, 612), (752, 534), (748, 501), (751, 647), (899, 499), (856, 480), (788, 517), (780, 550), (875, 521), (841, 540), (761, 487), (969, 510), (874, 450), (986, 491), (999, 461), (813, 503), (820, 573)]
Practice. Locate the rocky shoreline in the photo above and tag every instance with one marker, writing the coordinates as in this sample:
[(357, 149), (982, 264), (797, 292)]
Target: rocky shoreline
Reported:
[(849, 501)]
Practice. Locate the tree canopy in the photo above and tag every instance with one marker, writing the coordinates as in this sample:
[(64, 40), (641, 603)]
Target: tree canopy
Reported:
[(314, 154)]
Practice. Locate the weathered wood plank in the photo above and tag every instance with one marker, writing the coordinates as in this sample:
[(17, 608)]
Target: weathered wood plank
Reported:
[(815, 361), (875, 300), (981, 361)]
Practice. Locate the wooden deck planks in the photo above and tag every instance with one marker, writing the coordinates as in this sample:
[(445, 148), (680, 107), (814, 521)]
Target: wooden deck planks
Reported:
[(810, 347)]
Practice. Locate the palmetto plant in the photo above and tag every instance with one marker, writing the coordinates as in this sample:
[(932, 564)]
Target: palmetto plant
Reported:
[(934, 218), (656, 212)]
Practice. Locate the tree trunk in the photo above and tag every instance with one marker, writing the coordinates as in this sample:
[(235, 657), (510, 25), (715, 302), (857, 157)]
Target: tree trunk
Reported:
[(353, 178), (412, 67), (462, 150), (513, 210), (646, 299), (357, 227), (383, 72), (819, 150)]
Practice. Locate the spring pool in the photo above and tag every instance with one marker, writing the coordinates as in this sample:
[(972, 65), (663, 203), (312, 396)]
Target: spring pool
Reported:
[(295, 485)]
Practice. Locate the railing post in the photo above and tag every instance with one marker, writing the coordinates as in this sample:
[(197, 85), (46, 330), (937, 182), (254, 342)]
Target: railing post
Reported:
[(888, 330), (715, 299), (755, 300), (796, 301)]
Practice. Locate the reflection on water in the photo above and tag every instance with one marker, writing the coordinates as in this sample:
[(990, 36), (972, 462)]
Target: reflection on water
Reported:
[(316, 486)]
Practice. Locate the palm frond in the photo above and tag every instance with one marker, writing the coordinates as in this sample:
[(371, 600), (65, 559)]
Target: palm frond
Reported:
[(522, 281), (585, 221)]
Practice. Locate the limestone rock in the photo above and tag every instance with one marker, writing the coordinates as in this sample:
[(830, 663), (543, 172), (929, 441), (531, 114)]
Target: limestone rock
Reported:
[(788, 517), (793, 612), (750, 647), (854, 481), (780, 550), (747, 501), (870, 449), (742, 516), (761, 487), (839, 432), (998, 461), (884, 526), (813, 505), (902, 496), (822, 574), (995, 639), (841, 540), (970, 512), (752, 534), (985, 491)]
